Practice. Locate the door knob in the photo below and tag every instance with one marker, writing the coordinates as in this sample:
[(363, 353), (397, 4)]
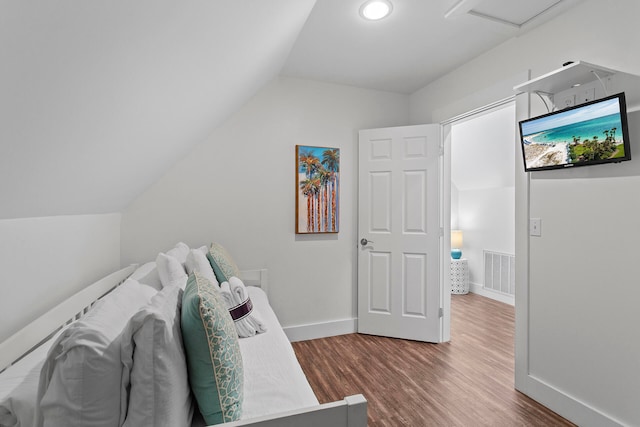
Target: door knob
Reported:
[(365, 242)]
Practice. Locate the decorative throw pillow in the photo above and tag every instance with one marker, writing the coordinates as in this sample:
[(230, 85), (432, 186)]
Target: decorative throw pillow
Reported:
[(154, 362), (213, 354), (222, 263), (197, 261), (80, 382)]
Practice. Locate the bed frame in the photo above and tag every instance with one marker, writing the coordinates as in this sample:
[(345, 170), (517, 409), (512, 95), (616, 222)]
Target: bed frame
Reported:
[(26, 339), (350, 412)]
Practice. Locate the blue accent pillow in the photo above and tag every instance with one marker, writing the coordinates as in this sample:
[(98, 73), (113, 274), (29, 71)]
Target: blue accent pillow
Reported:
[(213, 354), (222, 263)]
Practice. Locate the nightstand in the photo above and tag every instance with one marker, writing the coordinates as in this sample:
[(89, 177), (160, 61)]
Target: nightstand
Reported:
[(459, 276)]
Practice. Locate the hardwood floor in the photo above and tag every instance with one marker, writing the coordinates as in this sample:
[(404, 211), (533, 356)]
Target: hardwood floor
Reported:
[(465, 382)]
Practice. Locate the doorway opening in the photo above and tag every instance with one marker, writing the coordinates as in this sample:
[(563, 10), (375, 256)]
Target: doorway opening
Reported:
[(483, 199)]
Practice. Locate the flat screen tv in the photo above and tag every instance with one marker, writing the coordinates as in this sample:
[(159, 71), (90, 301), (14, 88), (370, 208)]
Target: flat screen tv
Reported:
[(591, 133)]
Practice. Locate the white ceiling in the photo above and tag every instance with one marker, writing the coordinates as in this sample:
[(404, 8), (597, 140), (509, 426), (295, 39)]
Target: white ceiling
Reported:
[(99, 98), (414, 45)]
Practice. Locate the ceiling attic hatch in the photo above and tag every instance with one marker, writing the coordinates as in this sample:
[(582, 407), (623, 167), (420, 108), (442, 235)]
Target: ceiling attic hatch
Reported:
[(514, 13)]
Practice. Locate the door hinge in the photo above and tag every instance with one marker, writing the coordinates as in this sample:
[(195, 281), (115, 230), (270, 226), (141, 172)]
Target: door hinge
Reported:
[(440, 312), (441, 151), (441, 231)]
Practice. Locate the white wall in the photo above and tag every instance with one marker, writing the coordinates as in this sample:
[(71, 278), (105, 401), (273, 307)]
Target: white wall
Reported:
[(580, 299), (584, 290), (482, 174), (238, 188), (455, 203), (487, 218), (47, 259)]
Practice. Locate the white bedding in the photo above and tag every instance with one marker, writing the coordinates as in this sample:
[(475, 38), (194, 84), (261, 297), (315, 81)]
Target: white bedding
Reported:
[(274, 381)]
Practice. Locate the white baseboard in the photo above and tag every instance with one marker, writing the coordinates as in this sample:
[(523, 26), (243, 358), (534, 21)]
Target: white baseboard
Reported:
[(498, 296), (321, 330), (570, 408)]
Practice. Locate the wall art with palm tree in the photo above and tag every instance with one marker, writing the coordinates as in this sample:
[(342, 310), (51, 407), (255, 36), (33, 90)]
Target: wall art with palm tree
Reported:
[(317, 189)]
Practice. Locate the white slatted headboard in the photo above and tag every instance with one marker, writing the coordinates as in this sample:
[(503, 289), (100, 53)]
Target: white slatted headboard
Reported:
[(23, 341), (259, 278)]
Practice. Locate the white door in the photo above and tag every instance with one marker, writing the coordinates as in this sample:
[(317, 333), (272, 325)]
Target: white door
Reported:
[(400, 282)]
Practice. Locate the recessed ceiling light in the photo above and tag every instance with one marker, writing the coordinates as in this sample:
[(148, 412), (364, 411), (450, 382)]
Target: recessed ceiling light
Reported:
[(374, 10)]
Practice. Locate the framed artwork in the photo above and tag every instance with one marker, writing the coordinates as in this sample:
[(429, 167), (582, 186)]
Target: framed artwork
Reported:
[(317, 189)]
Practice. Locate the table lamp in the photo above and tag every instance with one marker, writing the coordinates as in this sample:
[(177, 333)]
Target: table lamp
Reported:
[(456, 244)]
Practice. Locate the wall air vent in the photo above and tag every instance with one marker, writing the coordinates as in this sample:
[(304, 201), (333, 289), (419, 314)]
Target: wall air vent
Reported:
[(499, 272)]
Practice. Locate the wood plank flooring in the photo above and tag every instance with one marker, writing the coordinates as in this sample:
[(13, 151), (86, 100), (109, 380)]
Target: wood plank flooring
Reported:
[(466, 382)]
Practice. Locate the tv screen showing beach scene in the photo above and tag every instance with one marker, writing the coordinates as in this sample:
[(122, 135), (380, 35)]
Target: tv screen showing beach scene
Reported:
[(591, 133)]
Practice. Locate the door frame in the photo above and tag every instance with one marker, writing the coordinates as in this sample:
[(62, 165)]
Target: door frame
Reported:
[(446, 198), (446, 130), (445, 225), (522, 380)]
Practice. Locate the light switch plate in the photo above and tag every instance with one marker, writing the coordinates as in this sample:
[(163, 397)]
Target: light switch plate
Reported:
[(535, 227)]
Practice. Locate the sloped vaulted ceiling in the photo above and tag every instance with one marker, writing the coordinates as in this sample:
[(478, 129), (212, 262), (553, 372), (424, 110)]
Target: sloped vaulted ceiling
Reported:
[(99, 98)]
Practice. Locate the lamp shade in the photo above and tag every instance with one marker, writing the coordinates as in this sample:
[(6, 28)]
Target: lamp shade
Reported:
[(456, 244), (456, 239)]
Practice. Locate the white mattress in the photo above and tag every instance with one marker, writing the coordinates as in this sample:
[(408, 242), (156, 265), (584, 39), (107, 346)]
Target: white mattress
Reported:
[(273, 379)]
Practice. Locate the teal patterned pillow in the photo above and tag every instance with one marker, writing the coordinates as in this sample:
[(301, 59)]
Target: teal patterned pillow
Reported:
[(213, 355), (222, 263)]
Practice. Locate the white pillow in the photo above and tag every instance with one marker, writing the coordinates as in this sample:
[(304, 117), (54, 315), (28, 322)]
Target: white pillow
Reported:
[(147, 274), (179, 252), (154, 360), (81, 379), (197, 261), (170, 270)]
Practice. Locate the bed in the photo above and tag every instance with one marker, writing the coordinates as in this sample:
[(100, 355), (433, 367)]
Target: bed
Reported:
[(276, 392)]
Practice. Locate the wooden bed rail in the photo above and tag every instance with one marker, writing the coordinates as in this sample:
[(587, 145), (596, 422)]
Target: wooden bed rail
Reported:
[(349, 412)]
